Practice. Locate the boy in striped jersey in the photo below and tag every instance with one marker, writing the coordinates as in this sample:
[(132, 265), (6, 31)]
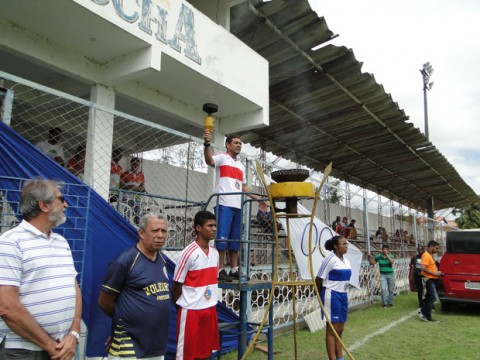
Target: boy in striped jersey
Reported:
[(194, 291)]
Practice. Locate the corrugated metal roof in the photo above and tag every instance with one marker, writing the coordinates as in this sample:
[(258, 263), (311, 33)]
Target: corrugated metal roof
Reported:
[(323, 108)]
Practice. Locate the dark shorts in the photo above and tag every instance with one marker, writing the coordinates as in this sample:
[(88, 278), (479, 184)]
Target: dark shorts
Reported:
[(22, 354), (2, 349)]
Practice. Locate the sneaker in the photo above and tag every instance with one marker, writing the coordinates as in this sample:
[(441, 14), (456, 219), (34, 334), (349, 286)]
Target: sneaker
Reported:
[(385, 306), (419, 310), (433, 321), (423, 318), (235, 275), (390, 305), (223, 276)]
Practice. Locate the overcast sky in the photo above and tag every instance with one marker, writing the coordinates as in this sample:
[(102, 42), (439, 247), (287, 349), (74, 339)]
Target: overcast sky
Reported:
[(394, 38)]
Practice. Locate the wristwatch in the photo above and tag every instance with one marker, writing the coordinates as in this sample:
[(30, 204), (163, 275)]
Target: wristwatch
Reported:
[(76, 334)]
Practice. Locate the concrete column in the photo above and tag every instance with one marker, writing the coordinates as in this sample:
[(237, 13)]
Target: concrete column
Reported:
[(100, 140), (6, 104)]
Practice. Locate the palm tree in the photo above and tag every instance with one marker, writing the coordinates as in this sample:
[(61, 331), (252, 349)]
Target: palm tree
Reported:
[(469, 216)]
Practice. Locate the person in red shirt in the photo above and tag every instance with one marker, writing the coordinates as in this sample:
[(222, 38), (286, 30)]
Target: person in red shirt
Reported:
[(133, 180)]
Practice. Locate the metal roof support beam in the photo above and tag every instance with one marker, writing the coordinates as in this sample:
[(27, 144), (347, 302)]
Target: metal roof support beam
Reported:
[(315, 65)]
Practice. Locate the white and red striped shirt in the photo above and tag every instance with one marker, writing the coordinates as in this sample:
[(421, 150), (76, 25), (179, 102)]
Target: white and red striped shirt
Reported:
[(198, 273), (229, 178)]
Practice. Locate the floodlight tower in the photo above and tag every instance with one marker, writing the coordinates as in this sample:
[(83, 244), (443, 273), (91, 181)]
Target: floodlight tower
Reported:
[(426, 72)]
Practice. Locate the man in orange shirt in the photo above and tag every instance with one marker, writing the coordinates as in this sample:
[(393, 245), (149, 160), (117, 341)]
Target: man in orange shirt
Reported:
[(430, 273)]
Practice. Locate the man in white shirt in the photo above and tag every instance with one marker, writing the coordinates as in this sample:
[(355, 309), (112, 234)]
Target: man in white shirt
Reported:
[(52, 146), (40, 301), (229, 178)]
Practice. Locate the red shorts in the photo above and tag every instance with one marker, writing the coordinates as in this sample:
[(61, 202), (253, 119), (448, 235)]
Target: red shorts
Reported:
[(197, 333)]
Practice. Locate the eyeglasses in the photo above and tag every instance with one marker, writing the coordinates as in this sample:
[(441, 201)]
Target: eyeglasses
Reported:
[(61, 198)]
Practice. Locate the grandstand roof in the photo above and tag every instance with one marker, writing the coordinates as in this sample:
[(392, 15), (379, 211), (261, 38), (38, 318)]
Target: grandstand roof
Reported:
[(324, 108)]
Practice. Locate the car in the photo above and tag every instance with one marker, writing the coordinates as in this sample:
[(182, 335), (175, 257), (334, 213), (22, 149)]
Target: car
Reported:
[(461, 266)]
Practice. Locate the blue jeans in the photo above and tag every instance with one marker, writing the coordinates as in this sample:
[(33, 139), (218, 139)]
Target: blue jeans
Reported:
[(430, 298), (387, 283)]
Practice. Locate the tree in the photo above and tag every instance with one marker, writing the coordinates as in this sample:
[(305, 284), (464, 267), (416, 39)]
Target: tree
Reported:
[(333, 194), (188, 155), (469, 216)]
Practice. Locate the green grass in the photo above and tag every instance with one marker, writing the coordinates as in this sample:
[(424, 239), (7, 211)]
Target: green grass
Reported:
[(455, 337)]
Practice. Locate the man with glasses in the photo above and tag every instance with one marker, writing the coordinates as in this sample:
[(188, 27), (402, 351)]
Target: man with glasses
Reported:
[(40, 301), (385, 262)]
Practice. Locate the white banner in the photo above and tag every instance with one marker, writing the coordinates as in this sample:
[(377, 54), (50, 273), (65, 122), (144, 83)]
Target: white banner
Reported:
[(299, 237)]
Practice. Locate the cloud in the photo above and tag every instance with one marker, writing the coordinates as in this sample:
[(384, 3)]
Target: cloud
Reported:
[(395, 38)]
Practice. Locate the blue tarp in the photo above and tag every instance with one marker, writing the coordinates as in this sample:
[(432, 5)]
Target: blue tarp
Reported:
[(106, 234)]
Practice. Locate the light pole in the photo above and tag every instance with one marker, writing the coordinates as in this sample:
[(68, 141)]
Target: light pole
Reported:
[(426, 72)]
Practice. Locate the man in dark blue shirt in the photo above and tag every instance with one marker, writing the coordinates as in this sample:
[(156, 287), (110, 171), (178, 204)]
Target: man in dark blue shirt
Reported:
[(416, 273), (136, 296)]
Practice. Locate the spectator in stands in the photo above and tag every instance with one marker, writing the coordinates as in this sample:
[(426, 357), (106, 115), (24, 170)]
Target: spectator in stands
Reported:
[(339, 229), (40, 300), (115, 174), (133, 180), (76, 165), (352, 231), (344, 226), (381, 234), (332, 283), (397, 235), (384, 235), (195, 292), (136, 295), (265, 218), (411, 240), (416, 273), (385, 262), (430, 272), (52, 146), (336, 223), (230, 178)]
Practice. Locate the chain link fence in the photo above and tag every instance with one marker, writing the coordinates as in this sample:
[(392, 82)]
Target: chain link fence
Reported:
[(148, 168)]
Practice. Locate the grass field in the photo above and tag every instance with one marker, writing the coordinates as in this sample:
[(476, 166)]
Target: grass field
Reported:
[(393, 333)]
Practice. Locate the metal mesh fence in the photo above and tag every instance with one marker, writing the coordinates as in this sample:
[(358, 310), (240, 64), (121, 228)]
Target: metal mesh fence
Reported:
[(98, 145), (77, 197)]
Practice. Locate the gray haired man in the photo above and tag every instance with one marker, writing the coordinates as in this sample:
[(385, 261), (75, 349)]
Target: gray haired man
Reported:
[(40, 300)]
